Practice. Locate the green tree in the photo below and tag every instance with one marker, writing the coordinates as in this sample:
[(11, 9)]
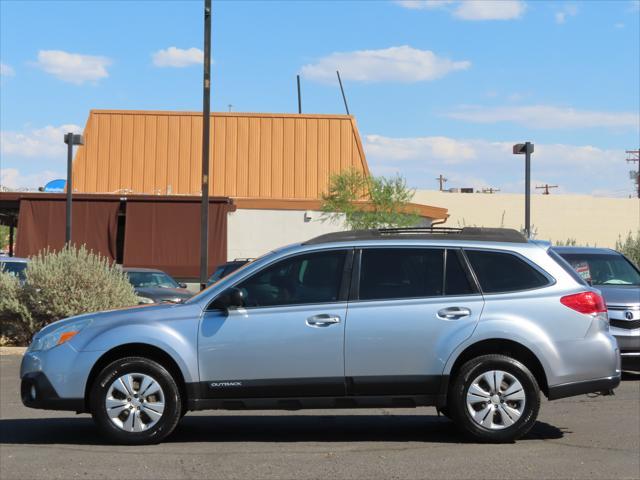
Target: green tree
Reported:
[(630, 246), (4, 237), (366, 202)]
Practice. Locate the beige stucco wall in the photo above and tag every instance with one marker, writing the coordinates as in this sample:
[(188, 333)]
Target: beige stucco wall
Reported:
[(590, 220), (251, 233)]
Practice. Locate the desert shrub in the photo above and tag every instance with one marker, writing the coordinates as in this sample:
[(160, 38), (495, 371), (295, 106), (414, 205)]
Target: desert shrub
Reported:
[(630, 246), (16, 324), (73, 281)]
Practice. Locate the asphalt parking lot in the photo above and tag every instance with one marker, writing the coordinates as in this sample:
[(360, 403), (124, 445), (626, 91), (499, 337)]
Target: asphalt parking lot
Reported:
[(579, 437)]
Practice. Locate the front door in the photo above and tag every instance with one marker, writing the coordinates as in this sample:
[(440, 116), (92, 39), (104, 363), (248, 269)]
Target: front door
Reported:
[(412, 307), (288, 338)]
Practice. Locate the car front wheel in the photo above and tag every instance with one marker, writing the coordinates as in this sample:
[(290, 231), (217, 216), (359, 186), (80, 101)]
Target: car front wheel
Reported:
[(135, 401), (494, 398)]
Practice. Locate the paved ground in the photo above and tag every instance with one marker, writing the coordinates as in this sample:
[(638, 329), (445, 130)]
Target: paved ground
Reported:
[(574, 438)]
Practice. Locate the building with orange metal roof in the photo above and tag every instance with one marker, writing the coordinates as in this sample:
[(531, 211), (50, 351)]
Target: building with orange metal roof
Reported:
[(267, 172)]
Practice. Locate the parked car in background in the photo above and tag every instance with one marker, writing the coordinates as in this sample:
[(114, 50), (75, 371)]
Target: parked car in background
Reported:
[(156, 286), (14, 266), (619, 281), (476, 322), (225, 269)]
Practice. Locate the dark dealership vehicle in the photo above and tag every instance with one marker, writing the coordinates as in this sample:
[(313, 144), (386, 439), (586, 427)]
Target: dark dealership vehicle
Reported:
[(14, 266), (225, 269), (156, 286), (476, 322), (619, 281)]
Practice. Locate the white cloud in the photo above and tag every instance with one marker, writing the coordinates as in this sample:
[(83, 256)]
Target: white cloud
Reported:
[(472, 10), (447, 150), (12, 179), (490, 10), (178, 57), (395, 64), (424, 4), (73, 67), (480, 163), (47, 142), (569, 10), (6, 70), (618, 25), (547, 116)]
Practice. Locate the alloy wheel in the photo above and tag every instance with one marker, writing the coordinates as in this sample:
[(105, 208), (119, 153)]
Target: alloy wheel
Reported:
[(496, 400), (135, 402)]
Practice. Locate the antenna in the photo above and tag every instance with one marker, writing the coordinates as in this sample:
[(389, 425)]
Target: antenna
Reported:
[(299, 95), (344, 97), (441, 180), (546, 188)]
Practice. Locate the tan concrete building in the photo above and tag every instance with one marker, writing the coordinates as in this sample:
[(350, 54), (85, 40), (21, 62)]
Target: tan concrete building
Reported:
[(595, 221)]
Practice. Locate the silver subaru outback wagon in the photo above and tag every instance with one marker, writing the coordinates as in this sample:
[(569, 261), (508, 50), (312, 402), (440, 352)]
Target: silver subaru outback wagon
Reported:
[(476, 322)]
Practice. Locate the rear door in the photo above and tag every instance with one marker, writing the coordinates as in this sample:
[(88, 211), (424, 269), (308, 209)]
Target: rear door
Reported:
[(410, 308)]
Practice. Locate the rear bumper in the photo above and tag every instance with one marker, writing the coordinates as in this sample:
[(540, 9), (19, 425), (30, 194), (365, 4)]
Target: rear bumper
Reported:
[(580, 388), (37, 392)]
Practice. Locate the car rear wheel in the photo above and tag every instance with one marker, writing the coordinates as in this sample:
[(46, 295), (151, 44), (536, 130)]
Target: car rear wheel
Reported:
[(494, 398), (135, 401)]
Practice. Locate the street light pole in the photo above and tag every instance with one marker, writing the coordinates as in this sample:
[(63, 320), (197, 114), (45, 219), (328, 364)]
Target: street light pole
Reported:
[(206, 117), (70, 139), (526, 149)]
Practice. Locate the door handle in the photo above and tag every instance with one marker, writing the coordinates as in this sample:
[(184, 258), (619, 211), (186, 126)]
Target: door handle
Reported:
[(453, 313), (323, 320)]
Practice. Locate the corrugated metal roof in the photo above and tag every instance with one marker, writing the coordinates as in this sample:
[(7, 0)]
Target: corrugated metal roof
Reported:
[(269, 156)]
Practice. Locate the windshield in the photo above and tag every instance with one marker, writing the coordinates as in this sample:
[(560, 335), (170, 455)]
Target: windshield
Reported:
[(603, 268), (151, 280), (14, 268)]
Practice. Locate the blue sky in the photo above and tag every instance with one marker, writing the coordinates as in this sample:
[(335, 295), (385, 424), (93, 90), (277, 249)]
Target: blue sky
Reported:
[(437, 86)]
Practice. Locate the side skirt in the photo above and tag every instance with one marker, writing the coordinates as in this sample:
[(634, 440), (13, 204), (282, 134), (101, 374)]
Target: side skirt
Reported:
[(299, 403)]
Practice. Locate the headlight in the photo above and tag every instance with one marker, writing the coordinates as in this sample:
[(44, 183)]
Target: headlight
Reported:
[(142, 300), (59, 336)]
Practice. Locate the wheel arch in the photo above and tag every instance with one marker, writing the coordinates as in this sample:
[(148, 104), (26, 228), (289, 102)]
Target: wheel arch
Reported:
[(506, 347), (145, 350)]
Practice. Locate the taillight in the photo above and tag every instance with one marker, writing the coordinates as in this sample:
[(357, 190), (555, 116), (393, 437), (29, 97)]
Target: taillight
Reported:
[(585, 302)]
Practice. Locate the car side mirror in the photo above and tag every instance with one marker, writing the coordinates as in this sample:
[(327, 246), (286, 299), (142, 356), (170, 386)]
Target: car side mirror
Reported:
[(229, 299), (182, 285)]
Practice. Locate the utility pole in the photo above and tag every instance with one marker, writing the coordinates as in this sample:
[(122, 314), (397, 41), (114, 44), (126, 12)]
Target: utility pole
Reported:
[(299, 95), (441, 181), (633, 156), (490, 190), (206, 117), (546, 188), (344, 97)]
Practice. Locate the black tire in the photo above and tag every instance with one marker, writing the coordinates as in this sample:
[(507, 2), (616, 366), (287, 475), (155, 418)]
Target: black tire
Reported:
[(457, 399), (170, 392)]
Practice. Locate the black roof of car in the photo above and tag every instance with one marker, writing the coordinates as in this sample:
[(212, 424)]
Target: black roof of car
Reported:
[(424, 233), (136, 269)]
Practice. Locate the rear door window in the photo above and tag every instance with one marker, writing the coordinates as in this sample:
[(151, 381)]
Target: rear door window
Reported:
[(500, 272), (457, 281), (391, 273)]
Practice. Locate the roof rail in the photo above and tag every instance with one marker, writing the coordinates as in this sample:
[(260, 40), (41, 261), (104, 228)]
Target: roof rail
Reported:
[(424, 233)]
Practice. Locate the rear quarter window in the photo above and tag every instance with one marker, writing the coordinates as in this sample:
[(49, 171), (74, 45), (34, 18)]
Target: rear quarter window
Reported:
[(501, 272)]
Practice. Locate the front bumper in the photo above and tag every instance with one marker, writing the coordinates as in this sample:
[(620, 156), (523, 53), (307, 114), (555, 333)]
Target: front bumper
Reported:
[(37, 392), (56, 379), (580, 388)]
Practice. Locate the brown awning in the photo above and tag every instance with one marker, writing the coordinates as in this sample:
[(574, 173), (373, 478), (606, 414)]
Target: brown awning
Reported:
[(167, 236), (42, 225)]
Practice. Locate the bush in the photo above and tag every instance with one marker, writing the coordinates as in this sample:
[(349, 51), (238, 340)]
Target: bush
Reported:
[(16, 324), (73, 281), (630, 247)]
